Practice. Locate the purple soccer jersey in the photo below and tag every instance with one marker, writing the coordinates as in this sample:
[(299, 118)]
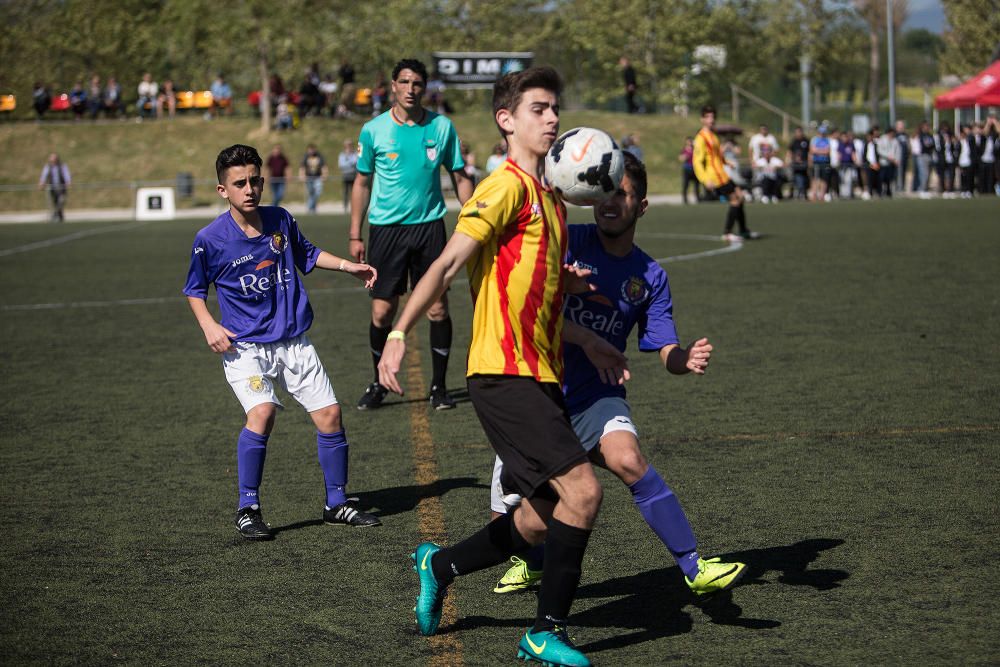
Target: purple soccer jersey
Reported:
[(631, 291), (261, 296)]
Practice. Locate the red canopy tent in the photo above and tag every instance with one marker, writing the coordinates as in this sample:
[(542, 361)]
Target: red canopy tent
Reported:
[(981, 90)]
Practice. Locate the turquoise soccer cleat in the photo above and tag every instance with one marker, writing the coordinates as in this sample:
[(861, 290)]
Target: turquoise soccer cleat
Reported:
[(431, 596), (551, 648)]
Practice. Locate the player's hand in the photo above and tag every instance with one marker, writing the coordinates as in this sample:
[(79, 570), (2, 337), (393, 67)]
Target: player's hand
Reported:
[(708, 184), (698, 355), (218, 337), (611, 364), (362, 272), (357, 250), (388, 366), (575, 279)]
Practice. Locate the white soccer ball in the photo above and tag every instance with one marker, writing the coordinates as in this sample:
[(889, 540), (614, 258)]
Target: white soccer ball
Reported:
[(584, 166)]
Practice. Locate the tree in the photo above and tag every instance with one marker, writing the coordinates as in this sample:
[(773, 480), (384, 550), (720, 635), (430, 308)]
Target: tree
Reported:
[(873, 12), (973, 36)]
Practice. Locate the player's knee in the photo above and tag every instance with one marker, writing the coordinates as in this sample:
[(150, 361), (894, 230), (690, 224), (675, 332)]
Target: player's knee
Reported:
[(630, 466), (383, 311), (438, 311), (327, 420), (260, 418)]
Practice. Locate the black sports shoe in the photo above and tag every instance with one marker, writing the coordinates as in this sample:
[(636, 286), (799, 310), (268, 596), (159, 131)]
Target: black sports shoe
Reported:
[(440, 400), (349, 514), (374, 395), (250, 524)]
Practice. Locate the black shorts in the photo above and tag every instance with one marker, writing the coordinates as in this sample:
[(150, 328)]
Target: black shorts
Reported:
[(399, 252), (528, 426), (725, 189), (821, 172)]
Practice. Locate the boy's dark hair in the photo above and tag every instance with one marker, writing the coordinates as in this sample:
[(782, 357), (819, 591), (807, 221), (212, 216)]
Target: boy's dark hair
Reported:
[(636, 171), (410, 64), (509, 88), (707, 109), (236, 155)]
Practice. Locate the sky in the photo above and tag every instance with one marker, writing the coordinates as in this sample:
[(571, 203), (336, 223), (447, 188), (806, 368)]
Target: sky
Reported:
[(927, 14)]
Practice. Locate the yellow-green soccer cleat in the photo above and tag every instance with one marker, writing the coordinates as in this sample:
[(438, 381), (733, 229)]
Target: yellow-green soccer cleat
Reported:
[(715, 576), (518, 578)]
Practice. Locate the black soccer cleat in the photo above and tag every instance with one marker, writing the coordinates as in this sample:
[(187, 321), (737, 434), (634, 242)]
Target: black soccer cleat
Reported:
[(374, 395), (250, 524), (349, 514), (440, 400)]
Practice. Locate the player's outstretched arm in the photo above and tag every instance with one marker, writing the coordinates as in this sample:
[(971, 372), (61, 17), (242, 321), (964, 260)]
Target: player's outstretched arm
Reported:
[(430, 288), (218, 337), (363, 272), (611, 364), (361, 196), (692, 359)]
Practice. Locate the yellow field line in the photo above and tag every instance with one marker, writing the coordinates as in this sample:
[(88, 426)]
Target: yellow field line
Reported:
[(430, 514)]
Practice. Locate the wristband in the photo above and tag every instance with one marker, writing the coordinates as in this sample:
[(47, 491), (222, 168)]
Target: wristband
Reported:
[(357, 239), (342, 263), (396, 335)]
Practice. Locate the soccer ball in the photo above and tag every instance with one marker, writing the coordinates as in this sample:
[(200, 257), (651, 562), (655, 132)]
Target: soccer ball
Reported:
[(584, 166)]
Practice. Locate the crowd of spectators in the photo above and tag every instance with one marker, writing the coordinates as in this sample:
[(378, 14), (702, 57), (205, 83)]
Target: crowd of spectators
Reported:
[(837, 164)]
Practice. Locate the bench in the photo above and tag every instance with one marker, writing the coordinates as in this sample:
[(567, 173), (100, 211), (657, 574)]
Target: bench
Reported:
[(194, 99), (8, 103)]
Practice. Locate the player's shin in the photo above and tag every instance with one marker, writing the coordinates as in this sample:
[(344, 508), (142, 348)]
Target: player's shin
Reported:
[(440, 335), (332, 448), (251, 449), (662, 511)]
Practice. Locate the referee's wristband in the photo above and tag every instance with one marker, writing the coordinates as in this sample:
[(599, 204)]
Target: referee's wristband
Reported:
[(355, 239), (396, 335)]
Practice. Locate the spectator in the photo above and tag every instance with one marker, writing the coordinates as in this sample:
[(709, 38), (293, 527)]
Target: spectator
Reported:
[(768, 167), (903, 139), (873, 163), (497, 157), (888, 156), (380, 94), (982, 156), (95, 97), (798, 160), (277, 166), (992, 132), (112, 98), (731, 154), (277, 87), (628, 76), (328, 91), (284, 117), (347, 162), (848, 167), (347, 89), (922, 149), (946, 150), (833, 182), (78, 100), (859, 161), (630, 143), (148, 91), (313, 172), (166, 101), (685, 157), (56, 179), (762, 137), (967, 162), (40, 99), (222, 95), (471, 170), (310, 101), (819, 163), (435, 93)]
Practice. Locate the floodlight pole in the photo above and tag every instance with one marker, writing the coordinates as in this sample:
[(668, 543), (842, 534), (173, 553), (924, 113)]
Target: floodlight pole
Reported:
[(891, 62)]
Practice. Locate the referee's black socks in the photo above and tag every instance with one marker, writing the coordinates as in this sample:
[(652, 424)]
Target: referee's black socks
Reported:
[(440, 347), (376, 338)]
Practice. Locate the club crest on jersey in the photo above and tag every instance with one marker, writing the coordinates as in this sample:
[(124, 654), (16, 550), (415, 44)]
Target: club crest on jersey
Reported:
[(278, 243), (635, 290), (257, 384), (432, 153)]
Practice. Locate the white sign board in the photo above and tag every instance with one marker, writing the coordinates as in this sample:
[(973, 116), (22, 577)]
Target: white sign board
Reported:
[(154, 204)]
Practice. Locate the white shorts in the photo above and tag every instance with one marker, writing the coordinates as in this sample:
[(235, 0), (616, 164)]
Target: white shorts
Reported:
[(605, 416), (253, 369)]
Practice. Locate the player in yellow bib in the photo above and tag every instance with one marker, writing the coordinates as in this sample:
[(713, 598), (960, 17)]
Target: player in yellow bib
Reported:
[(710, 170)]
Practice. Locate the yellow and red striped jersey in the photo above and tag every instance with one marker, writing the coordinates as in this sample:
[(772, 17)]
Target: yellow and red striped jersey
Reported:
[(516, 279), (709, 165)]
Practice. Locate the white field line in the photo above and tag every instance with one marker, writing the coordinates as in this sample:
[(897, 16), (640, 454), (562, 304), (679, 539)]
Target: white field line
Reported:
[(735, 247), (48, 243)]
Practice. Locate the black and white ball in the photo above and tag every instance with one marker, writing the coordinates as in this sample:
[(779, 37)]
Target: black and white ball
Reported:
[(584, 166)]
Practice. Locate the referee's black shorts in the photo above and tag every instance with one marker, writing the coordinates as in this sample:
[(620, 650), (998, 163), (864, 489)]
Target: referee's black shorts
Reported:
[(725, 189), (399, 252), (528, 426)]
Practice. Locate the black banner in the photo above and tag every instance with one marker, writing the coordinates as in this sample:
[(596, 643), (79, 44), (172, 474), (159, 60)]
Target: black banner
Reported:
[(472, 69)]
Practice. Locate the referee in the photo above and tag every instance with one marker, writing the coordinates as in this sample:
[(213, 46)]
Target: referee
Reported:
[(398, 184)]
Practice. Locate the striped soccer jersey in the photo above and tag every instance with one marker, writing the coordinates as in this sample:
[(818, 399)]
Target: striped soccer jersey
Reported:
[(516, 279), (709, 165)]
